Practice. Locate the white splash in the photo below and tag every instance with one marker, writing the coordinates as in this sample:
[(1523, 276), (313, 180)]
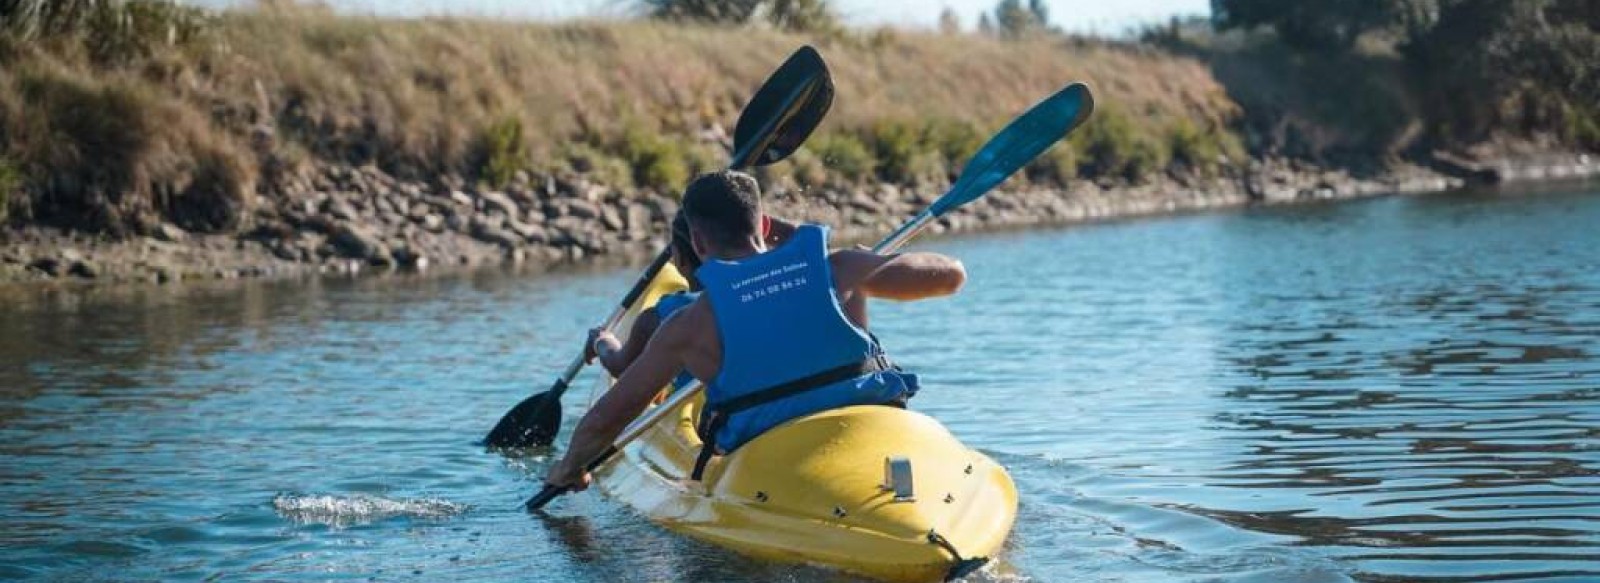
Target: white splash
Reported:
[(341, 511)]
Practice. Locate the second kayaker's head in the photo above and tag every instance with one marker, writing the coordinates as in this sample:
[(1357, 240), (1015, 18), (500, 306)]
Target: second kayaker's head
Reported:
[(723, 210), (683, 255)]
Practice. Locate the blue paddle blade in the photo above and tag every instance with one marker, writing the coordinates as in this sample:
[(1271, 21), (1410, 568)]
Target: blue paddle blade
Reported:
[(1017, 144)]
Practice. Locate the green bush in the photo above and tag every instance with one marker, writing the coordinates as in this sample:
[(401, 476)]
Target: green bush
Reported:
[(1112, 146), (505, 151), (955, 140), (843, 154), (1582, 127), (1058, 166), (892, 144), (807, 168), (657, 162), (583, 158)]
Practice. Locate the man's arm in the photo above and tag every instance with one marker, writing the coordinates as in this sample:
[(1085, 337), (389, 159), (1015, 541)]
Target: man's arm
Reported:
[(638, 385), (616, 355), (904, 276), (779, 230)]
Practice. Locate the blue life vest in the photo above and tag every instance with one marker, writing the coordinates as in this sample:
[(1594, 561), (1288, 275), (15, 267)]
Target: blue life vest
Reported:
[(666, 306), (788, 350)]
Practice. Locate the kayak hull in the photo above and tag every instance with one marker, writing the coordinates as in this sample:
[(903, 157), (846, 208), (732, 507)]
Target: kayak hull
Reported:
[(815, 490)]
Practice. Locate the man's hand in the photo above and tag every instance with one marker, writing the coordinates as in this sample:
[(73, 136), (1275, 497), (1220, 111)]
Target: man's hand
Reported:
[(562, 476), (600, 339)]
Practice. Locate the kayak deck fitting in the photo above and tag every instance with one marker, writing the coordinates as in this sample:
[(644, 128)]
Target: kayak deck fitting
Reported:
[(879, 491)]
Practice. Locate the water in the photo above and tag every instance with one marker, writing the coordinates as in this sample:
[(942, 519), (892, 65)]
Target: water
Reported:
[(1404, 389)]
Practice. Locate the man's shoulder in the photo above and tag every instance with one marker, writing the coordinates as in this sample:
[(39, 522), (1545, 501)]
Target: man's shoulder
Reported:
[(689, 325)]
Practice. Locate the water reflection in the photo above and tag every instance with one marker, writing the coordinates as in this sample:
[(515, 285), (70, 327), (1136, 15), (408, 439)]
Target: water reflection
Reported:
[(1446, 430)]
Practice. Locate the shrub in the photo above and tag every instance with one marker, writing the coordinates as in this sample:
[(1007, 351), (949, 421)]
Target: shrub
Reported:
[(505, 151), (955, 140), (111, 30), (112, 157), (10, 183), (843, 154), (1112, 146), (656, 161), (578, 156), (1582, 127), (1058, 166), (792, 15), (1202, 149), (807, 168), (893, 143)]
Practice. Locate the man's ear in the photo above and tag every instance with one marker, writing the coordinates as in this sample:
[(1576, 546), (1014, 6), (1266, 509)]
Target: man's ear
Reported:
[(698, 243)]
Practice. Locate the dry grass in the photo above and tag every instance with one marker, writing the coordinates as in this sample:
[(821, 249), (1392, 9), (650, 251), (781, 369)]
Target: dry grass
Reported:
[(422, 98)]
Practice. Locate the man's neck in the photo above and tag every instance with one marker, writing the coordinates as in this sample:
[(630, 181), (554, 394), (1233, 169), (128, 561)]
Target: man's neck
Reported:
[(750, 247)]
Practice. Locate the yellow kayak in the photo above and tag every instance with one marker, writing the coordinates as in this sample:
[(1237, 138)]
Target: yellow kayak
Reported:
[(879, 491)]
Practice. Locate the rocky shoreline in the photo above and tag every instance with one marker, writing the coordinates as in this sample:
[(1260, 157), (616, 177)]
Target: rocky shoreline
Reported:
[(349, 220)]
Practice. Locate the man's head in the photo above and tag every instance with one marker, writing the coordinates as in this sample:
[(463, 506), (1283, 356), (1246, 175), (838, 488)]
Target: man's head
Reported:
[(724, 212)]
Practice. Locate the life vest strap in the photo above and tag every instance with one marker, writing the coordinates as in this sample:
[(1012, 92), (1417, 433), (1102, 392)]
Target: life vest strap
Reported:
[(716, 415)]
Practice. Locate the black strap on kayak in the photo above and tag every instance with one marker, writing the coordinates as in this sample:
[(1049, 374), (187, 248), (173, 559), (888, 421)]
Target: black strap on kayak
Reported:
[(716, 416), (961, 567)]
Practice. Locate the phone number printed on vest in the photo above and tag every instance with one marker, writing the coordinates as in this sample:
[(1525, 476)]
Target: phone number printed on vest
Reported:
[(773, 282)]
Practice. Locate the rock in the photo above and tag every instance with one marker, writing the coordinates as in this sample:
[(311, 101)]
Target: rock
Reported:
[(864, 203), (611, 218), (496, 201), (165, 274), (47, 265), (637, 218), (662, 208), (286, 251), (340, 209), (582, 209), (418, 212), (361, 243), (530, 233), (492, 233), (460, 198), (432, 223), (524, 197), (406, 256), (170, 233)]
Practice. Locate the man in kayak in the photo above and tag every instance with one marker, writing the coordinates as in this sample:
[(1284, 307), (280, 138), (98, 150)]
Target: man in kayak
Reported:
[(768, 335), (615, 355)]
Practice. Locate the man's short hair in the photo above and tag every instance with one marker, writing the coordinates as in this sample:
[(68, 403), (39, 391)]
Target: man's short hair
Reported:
[(724, 206), (680, 241)]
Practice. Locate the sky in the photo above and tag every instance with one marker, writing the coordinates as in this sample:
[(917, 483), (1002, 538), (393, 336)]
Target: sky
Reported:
[(1106, 17)]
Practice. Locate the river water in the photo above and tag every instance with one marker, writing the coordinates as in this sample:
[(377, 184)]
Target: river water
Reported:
[(1403, 389)]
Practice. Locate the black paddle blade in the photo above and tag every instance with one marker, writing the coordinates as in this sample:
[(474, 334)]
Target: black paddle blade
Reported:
[(785, 110), (533, 422)]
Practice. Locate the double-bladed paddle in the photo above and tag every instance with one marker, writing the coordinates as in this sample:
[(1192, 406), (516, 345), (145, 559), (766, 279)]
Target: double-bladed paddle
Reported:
[(779, 117), (1007, 152)]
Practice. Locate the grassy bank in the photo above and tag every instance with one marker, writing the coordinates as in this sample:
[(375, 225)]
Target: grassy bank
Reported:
[(192, 118)]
